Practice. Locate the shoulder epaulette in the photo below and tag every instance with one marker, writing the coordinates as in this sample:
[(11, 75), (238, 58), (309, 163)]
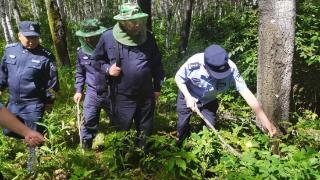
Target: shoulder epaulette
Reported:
[(193, 66), (48, 53), (11, 45)]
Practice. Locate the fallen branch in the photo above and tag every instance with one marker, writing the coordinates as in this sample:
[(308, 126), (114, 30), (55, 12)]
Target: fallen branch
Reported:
[(223, 142)]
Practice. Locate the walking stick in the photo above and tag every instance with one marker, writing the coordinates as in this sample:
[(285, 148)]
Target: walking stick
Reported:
[(223, 141), (79, 121), (31, 159)]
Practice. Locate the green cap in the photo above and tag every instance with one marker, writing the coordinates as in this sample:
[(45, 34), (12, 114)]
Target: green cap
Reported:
[(90, 27), (129, 11)]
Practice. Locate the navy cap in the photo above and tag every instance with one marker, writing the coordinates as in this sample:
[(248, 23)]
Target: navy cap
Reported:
[(216, 58), (29, 28)]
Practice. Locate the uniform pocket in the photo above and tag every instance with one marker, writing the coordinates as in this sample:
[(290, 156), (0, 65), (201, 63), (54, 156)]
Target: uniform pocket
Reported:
[(11, 61), (85, 62), (34, 65)]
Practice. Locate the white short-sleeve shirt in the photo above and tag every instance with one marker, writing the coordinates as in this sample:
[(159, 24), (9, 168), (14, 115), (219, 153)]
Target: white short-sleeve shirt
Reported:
[(202, 85)]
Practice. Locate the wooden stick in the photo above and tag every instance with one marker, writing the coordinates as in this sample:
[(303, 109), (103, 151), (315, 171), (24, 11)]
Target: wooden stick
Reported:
[(223, 142), (79, 121)]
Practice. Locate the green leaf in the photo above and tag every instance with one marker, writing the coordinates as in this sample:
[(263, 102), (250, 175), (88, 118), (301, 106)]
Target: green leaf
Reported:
[(181, 163)]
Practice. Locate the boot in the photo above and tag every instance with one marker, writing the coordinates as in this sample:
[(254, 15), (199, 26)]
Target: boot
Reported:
[(87, 144)]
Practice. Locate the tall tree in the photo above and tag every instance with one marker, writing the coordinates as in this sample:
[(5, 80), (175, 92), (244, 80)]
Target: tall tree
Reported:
[(57, 32), (185, 31), (276, 50), (16, 11), (145, 6), (6, 22), (35, 10), (88, 9)]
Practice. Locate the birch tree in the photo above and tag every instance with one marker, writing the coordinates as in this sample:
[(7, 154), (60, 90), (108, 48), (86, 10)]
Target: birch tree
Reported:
[(16, 11), (6, 22)]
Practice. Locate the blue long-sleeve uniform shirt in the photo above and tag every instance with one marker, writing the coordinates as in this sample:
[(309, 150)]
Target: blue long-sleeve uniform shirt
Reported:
[(141, 68), (88, 72), (28, 73)]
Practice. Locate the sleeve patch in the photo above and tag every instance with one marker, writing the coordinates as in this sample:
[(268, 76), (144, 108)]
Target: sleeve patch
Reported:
[(193, 66)]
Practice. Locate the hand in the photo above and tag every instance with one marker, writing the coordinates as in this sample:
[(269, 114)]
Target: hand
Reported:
[(0, 93), (33, 138), (77, 97), (273, 132), (114, 70), (156, 95), (191, 102)]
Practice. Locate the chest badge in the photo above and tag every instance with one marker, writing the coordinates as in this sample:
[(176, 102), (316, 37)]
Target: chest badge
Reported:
[(12, 56), (35, 61), (193, 66), (196, 80), (85, 57)]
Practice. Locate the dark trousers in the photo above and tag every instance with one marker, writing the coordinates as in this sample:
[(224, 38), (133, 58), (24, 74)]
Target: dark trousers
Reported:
[(137, 108), (208, 110), (27, 113), (93, 104)]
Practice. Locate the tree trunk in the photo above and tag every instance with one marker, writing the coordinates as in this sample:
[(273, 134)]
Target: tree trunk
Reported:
[(185, 31), (35, 11), (275, 56), (60, 4), (57, 32), (5, 22), (16, 11), (87, 9), (10, 28), (145, 6)]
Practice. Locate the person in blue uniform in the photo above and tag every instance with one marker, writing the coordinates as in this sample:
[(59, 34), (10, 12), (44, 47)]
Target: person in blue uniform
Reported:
[(9, 121), (86, 73), (29, 73), (134, 70), (201, 78)]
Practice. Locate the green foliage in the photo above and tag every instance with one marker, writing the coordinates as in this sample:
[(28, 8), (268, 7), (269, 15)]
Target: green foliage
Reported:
[(201, 156), (308, 36), (168, 98), (306, 89)]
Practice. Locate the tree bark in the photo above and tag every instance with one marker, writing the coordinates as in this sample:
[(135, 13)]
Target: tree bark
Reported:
[(275, 56), (87, 8), (185, 31), (16, 11), (5, 23), (145, 6), (35, 11), (57, 32), (10, 28)]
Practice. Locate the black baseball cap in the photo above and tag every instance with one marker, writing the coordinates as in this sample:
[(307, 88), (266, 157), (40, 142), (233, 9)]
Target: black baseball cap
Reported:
[(29, 28)]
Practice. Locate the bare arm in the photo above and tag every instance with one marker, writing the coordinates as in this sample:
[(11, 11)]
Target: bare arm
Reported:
[(256, 107), (9, 121), (190, 100)]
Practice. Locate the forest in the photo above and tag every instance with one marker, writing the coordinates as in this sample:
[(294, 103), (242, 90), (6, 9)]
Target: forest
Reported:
[(276, 47)]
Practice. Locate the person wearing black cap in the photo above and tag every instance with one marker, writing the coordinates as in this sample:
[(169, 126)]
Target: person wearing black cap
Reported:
[(29, 72), (201, 78)]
